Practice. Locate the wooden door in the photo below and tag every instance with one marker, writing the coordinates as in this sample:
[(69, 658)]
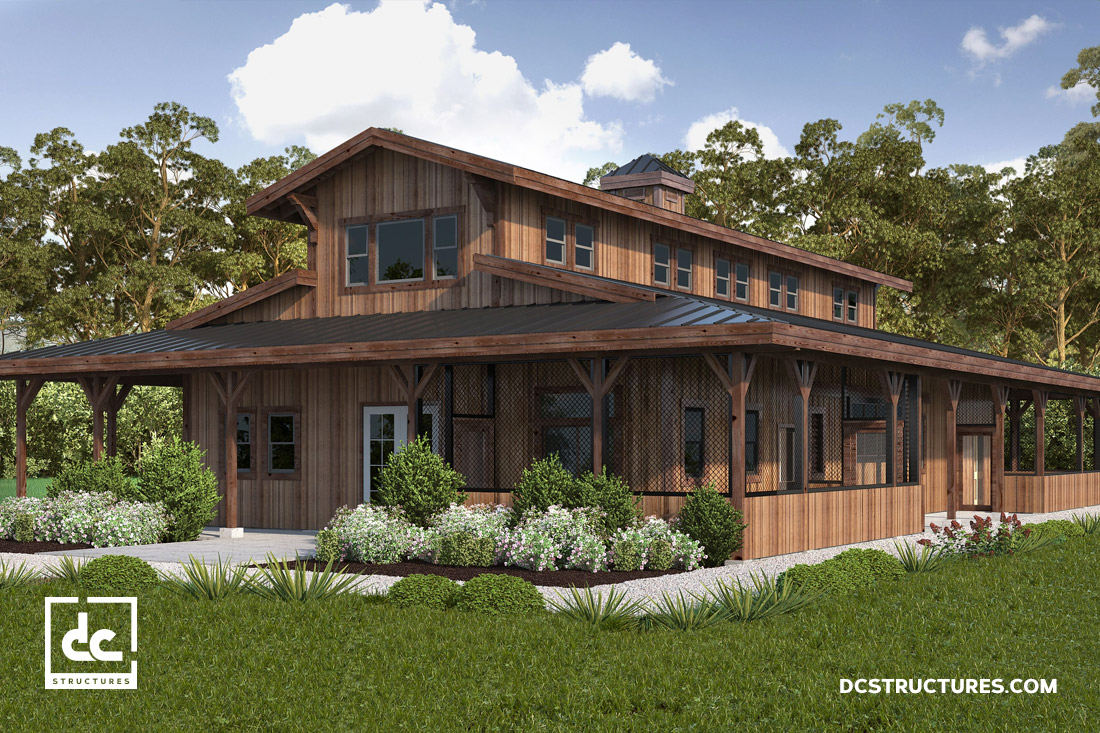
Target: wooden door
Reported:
[(976, 470), (474, 454)]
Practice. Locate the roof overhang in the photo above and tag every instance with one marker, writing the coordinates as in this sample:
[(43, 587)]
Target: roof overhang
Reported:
[(273, 203)]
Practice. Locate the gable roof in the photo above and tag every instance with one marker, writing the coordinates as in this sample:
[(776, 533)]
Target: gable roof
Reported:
[(242, 298), (271, 202)]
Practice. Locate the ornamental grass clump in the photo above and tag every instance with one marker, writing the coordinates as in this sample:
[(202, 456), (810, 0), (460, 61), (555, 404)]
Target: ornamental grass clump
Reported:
[(607, 611), (115, 574), (418, 481), (926, 560), (658, 547), (709, 518), (766, 597), (433, 591), (1090, 523), (497, 594), (681, 613), (207, 582), (16, 576), (276, 581)]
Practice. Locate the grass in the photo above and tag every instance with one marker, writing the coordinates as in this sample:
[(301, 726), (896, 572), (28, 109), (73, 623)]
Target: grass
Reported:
[(35, 487), (350, 663)]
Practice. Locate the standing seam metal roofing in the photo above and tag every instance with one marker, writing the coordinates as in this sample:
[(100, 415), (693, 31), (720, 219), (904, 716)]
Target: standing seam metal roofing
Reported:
[(645, 164)]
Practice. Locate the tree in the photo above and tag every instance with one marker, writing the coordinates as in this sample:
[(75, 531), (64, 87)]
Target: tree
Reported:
[(23, 263), (593, 176), (1087, 71)]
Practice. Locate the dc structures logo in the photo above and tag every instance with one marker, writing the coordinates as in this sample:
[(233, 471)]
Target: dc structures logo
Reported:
[(96, 660)]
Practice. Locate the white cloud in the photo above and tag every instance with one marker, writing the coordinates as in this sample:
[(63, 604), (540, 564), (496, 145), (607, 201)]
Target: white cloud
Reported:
[(620, 73), (1080, 93), (982, 50), (696, 136), (409, 65), (1017, 164)]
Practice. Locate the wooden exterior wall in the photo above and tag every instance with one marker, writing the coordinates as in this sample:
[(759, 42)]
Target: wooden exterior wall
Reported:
[(934, 477), (1052, 492)]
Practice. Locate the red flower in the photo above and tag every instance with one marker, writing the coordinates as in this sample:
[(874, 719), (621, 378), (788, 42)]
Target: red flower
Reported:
[(926, 542)]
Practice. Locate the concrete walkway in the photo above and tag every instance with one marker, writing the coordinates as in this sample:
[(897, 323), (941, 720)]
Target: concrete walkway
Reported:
[(255, 545)]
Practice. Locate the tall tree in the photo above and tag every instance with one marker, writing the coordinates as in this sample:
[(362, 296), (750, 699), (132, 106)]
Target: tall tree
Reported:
[(1087, 71), (23, 263)]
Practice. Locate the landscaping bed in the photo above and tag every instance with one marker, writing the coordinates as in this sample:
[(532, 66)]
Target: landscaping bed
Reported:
[(549, 578), (33, 548)]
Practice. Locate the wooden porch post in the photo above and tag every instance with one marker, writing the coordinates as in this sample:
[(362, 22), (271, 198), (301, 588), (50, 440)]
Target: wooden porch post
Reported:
[(1094, 409), (114, 404), (1079, 404), (598, 382), (99, 391), (1040, 397), (736, 375), (230, 386), (803, 372), (412, 388), (997, 451), (892, 383), (25, 392), (954, 391)]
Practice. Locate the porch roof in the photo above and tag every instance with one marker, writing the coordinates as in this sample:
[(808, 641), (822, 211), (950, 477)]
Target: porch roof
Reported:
[(671, 322)]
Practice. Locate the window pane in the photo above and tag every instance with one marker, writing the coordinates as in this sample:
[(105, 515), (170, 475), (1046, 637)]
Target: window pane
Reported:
[(282, 457), (693, 441), (401, 250), (358, 270), (445, 246), (660, 274), (838, 303), (723, 268), (244, 428), (752, 428), (555, 229), (660, 254), (357, 240), (565, 406), (853, 303), (792, 292), (775, 288), (584, 258), (244, 457), (585, 245), (693, 424), (742, 281), (281, 428), (683, 268)]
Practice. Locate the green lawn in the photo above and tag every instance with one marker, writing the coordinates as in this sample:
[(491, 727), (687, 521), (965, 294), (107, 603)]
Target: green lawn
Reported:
[(351, 664), (35, 486)]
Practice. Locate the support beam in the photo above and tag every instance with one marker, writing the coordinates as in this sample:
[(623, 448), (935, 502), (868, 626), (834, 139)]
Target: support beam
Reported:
[(306, 206), (1079, 405), (736, 375), (98, 390), (1094, 408), (25, 392), (114, 404), (997, 450), (1040, 397), (412, 387), (892, 384), (954, 392), (598, 380), (230, 386), (803, 372)]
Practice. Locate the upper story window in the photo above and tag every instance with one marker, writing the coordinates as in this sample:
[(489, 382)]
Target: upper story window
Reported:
[(395, 251), (742, 284), (400, 250), (722, 278), (661, 263), (783, 291), (570, 244), (845, 304), (683, 269)]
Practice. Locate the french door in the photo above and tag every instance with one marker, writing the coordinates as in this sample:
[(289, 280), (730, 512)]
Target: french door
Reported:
[(384, 430), (975, 452)]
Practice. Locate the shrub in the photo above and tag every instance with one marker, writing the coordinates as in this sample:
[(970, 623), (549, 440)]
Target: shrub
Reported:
[(494, 594), (544, 484), (98, 519), (372, 534), (113, 574), (464, 550), (483, 522), (687, 554), (1057, 528), (851, 569), (618, 505), (982, 538), (710, 519), (173, 473), (433, 591), (24, 527), (107, 475), (327, 543), (627, 556), (660, 555), (420, 482), (557, 539)]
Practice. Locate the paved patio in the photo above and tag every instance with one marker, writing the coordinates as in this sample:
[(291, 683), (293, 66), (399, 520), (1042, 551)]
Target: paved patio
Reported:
[(255, 545)]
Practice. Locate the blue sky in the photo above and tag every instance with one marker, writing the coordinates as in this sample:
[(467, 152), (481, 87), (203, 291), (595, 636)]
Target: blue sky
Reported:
[(551, 85)]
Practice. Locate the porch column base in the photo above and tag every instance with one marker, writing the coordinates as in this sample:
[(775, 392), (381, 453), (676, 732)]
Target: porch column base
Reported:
[(231, 533)]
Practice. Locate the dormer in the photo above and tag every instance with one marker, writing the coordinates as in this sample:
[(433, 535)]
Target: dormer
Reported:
[(649, 180)]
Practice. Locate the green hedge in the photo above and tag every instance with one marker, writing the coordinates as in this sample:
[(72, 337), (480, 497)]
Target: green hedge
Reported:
[(846, 572), (117, 574), (495, 594), (433, 591), (709, 518), (1057, 528)]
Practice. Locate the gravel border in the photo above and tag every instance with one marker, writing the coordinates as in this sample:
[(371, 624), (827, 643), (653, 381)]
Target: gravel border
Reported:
[(647, 588)]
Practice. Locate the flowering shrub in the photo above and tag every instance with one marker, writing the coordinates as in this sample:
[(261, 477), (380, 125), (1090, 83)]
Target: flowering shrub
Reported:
[(557, 539), (372, 534), (687, 554), (97, 519), (982, 538), (482, 521)]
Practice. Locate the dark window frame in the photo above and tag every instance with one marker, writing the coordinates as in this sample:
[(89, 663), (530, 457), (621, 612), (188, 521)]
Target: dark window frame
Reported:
[(737, 281), (569, 250), (702, 441), (430, 279), (752, 468), (784, 294), (265, 424), (690, 287), (728, 279), (541, 424), (251, 415)]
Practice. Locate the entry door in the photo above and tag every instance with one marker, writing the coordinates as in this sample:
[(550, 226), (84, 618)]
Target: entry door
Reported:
[(384, 430), (975, 452)]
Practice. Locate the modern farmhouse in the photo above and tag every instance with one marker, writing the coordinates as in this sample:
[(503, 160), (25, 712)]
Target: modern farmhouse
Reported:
[(506, 315)]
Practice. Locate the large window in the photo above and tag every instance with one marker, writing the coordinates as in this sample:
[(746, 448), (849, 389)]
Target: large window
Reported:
[(244, 442), (792, 293), (742, 292), (845, 303), (838, 304), (282, 442), (401, 251), (693, 441), (570, 244), (445, 246), (661, 263), (853, 306), (683, 269), (722, 278)]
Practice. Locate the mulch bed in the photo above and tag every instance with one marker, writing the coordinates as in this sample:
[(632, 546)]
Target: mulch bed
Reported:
[(33, 548), (555, 578)]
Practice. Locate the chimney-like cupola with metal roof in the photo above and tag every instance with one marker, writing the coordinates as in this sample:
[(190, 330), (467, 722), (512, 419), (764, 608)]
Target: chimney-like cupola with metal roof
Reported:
[(648, 179)]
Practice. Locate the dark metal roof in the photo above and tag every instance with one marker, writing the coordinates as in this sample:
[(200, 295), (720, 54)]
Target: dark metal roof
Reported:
[(645, 164), (669, 310)]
